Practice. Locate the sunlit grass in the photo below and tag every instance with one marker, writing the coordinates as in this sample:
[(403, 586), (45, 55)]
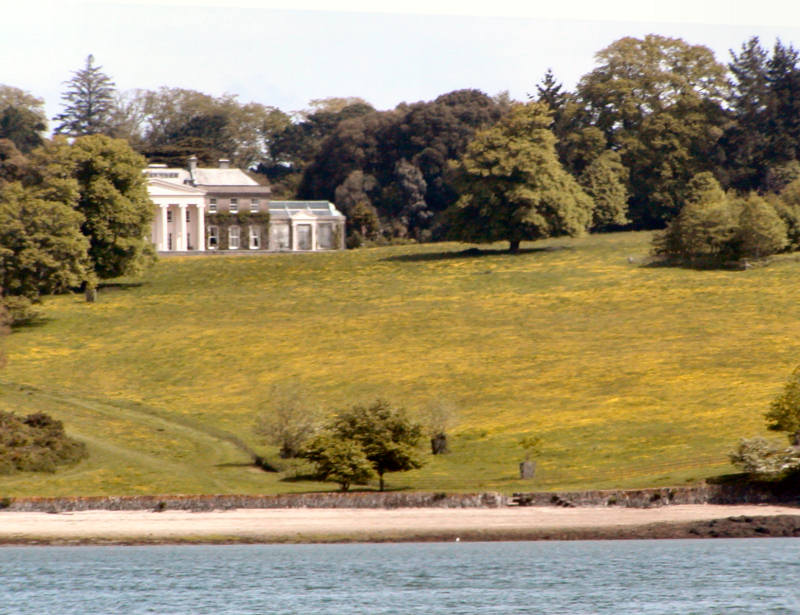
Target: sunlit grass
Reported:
[(632, 375)]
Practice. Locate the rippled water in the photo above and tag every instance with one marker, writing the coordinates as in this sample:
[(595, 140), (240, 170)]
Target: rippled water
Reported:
[(636, 576)]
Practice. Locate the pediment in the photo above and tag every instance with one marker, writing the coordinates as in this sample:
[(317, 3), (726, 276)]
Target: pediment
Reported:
[(162, 187), (303, 215)]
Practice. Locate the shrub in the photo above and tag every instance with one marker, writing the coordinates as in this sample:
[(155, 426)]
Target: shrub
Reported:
[(36, 443), (759, 456)]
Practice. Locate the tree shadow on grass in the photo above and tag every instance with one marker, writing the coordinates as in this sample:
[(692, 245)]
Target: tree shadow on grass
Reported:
[(32, 323), (306, 478), (259, 463), (469, 253), (698, 264), (108, 286)]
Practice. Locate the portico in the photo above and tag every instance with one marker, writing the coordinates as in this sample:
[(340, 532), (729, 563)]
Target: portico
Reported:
[(179, 224)]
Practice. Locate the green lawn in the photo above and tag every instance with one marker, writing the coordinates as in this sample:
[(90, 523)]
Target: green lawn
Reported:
[(633, 376)]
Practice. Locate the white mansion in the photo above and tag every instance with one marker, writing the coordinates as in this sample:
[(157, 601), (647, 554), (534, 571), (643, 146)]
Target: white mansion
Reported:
[(222, 208)]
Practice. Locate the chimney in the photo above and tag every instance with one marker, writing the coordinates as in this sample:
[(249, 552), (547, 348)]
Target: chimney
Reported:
[(192, 164), (224, 163)]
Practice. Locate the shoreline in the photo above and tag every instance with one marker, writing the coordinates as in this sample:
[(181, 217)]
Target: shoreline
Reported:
[(343, 525)]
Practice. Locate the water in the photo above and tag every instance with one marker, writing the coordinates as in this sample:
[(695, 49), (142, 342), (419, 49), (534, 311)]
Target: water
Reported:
[(637, 576)]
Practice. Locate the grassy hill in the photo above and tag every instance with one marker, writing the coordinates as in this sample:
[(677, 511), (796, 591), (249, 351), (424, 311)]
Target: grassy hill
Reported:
[(632, 375)]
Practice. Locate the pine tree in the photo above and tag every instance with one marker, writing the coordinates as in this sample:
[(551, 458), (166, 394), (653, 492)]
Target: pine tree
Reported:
[(88, 102)]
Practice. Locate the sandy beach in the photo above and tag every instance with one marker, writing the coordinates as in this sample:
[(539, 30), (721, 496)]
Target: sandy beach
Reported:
[(342, 525)]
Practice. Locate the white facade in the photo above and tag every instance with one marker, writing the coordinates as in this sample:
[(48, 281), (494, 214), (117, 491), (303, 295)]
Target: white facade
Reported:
[(200, 210), (179, 222)]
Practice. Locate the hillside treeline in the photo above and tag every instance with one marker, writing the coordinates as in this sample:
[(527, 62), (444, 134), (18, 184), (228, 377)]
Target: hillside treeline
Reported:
[(652, 114)]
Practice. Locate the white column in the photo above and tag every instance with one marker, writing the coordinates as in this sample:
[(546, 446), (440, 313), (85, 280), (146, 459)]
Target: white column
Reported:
[(293, 235), (201, 228), (314, 236), (162, 238), (180, 244)]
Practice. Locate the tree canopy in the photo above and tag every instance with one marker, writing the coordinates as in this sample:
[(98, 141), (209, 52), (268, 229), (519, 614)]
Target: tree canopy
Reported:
[(382, 435), (22, 118), (513, 187), (88, 102), (111, 198)]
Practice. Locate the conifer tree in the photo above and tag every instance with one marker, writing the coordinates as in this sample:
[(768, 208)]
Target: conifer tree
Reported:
[(88, 102)]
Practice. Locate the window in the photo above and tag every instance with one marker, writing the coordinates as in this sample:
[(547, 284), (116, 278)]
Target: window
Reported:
[(303, 236), (253, 206), (255, 237), (169, 216), (325, 236), (188, 216), (234, 208), (279, 236), (233, 238), (212, 206), (213, 237)]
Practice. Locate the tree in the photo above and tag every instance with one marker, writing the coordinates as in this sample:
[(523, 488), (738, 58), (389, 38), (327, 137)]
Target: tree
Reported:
[(784, 411), (513, 187), (111, 197), (88, 102), (658, 100), (342, 461), (706, 226), (13, 165), (604, 181), (386, 435), (42, 250), (22, 118), (746, 138), (761, 232), (288, 419)]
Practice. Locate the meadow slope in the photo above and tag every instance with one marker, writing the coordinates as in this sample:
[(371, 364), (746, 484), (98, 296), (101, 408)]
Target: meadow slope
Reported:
[(633, 376)]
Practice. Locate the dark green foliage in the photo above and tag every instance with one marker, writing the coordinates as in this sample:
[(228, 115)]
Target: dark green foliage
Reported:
[(111, 196), (36, 443), (658, 101), (379, 433), (405, 153), (713, 227), (761, 232), (223, 220), (88, 102), (341, 461), (513, 187), (22, 118), (787, 206), (784, 411), (42, 250), (604, 181), (705, 228), (13, 165)]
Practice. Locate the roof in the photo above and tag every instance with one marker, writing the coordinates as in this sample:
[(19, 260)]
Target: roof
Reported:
[(318, 208), (223, 177)]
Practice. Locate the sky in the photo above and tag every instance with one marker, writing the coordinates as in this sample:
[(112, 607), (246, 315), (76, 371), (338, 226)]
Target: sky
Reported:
[(285, 54)]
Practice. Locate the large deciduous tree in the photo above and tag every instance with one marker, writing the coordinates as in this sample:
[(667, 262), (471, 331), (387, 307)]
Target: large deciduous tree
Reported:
[(22, 118), (88, 102), (513, 187), (112, 198), (658, 101)]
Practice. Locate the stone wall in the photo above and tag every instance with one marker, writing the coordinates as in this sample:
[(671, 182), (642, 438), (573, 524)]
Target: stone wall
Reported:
[(227, 502), (632, 498)]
